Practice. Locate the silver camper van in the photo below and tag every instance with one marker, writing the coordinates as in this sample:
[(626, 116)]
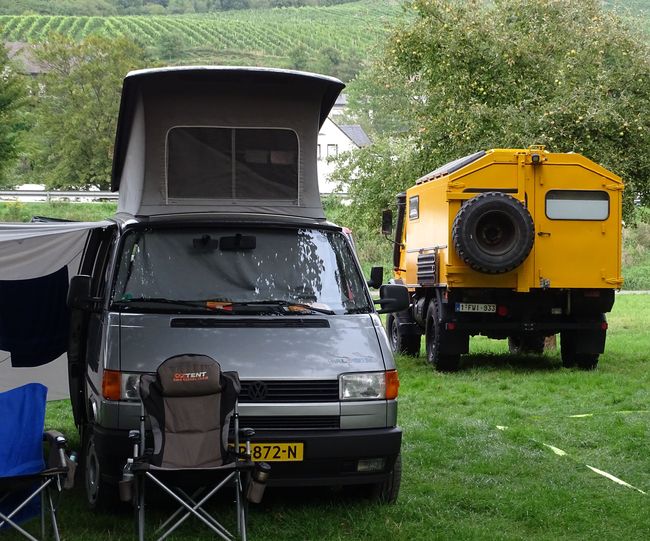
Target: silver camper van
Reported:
[(220, 247)]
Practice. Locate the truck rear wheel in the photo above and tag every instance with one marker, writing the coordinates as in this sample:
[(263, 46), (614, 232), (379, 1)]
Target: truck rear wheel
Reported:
[(434, 335), (493, 232), (570, 357), (408, 344)]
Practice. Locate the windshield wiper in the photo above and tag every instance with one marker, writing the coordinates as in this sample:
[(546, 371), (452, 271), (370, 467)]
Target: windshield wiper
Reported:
[(286, 304), (203, 305)]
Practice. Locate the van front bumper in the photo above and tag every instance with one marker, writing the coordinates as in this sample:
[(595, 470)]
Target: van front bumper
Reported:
[(330, 457)]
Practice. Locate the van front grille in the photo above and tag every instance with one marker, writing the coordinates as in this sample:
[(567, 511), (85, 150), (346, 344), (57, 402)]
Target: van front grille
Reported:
[(289, 391), (303, 422)]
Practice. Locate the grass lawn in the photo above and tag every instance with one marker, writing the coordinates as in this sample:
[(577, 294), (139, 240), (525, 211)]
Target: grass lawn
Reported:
[(464, 478)]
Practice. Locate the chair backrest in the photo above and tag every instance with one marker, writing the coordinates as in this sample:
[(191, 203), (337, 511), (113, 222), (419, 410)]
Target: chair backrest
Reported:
[(22, 414), (190, 403)]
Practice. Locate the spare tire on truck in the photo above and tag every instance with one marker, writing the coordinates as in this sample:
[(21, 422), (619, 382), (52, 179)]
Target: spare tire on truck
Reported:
[(493, 232)]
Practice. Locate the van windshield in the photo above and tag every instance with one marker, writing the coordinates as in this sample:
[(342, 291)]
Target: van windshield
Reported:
[(239, 270)]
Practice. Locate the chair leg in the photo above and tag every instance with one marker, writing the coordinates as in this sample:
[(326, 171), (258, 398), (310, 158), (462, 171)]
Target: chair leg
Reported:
[(140, 482), (43, 514), (55, 526)]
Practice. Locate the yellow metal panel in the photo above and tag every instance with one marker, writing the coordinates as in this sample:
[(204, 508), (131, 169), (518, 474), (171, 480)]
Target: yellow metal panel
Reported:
[(566, 253)]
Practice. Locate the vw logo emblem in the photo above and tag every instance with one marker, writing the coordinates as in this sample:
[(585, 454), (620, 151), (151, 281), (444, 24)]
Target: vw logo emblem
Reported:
[(257, 390)]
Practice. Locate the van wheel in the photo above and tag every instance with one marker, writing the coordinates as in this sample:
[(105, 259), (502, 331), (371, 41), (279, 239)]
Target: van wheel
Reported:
[(522, 344), (98, 493), (407, 344), (388, 490), (434, 335), (493, 232)]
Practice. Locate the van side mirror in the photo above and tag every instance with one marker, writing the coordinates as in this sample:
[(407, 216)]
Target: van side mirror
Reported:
[(393, 298), (376, 277), (387, 222), (79, 293)]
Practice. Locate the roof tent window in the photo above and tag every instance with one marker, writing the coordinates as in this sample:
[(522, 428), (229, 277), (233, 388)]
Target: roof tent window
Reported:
[(577, 205), (232, 163)]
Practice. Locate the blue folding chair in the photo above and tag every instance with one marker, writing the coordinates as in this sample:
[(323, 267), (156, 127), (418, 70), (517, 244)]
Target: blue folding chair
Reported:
[(25, 479)]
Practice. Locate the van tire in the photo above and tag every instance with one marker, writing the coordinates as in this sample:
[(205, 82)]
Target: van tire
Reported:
[(433, 337), (493, 233), (100, 496), (401, 343), (387, 491)]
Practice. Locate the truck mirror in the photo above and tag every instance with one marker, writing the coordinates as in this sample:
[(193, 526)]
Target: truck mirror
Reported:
[(387, 222), (376, 277), (393, 298), (79, 292)]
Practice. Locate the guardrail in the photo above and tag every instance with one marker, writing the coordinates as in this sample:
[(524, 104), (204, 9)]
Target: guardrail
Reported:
[(49, 195), (45, 195)]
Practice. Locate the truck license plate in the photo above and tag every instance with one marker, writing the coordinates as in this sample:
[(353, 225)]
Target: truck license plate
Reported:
[(275, 452), (475, 307)]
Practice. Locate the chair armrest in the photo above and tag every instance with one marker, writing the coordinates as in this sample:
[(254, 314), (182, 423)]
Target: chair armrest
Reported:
[(247, 432), (55, 439)]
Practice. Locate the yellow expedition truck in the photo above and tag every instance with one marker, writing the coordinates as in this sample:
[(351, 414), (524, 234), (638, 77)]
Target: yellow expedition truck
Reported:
[(508, 243)]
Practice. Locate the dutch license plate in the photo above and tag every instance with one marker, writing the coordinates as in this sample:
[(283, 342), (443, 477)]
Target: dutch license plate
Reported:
[(475, 307), (275, 452)]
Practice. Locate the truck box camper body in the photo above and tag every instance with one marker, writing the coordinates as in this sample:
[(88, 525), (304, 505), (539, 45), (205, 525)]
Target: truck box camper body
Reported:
[(509, 243), (220, 247)]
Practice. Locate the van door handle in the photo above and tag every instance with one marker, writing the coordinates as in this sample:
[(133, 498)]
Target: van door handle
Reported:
[(543, 234)]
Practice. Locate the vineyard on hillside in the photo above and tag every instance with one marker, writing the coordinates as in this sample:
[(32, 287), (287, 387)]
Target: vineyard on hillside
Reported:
[(273, 33)]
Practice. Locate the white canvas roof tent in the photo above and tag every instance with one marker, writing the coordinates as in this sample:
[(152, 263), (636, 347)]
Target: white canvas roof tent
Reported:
[(154, 102), (157, 102)]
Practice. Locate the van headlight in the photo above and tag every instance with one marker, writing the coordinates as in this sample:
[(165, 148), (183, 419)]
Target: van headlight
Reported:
[(369, 385)]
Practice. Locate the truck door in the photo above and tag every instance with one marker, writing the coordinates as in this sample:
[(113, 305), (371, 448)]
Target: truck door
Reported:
[(578, 220)]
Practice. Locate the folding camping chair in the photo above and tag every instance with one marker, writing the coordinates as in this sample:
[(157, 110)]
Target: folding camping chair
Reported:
[(190, 404), (24, 476)]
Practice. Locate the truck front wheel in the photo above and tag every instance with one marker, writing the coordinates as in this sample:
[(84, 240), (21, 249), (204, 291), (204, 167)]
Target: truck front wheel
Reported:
[(434, 336), (401, 343)]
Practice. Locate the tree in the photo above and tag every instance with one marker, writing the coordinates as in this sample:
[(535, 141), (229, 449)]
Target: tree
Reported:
[(460, 76), (12, 98), (77, 108)]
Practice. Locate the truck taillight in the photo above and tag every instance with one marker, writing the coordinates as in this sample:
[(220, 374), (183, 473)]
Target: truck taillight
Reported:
[(502, 310)]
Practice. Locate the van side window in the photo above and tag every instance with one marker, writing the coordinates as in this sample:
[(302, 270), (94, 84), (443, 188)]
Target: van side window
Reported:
[(232, 163), (577, 205), (96, 256)]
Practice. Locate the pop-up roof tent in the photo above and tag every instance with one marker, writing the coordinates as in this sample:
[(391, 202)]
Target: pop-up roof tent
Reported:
[(192, 139), (217, 139)]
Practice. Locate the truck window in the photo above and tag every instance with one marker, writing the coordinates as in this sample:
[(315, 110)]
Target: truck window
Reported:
[(307, 266), (232, 163), (577, 205)]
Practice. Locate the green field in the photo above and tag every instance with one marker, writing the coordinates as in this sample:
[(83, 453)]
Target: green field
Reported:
[(247, 36), (464, 478)]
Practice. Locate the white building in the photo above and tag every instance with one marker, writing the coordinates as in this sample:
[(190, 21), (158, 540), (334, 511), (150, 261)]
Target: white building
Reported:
[(335, 139)]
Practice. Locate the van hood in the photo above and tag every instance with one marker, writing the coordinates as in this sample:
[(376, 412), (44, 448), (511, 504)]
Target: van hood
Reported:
[(267, 347)]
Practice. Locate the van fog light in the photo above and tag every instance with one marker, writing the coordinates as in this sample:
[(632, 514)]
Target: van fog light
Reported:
[(371, 464)]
